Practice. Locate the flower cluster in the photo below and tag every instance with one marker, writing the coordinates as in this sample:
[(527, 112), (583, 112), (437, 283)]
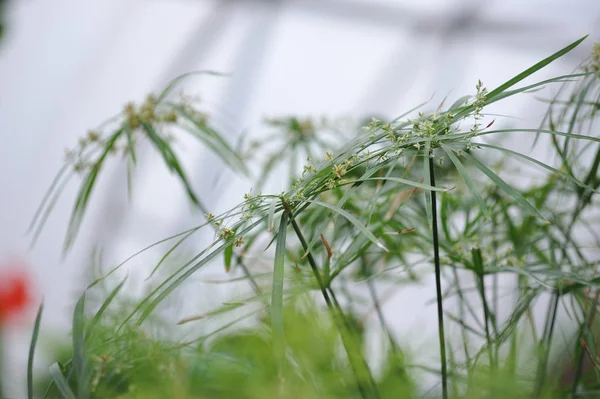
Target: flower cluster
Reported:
[(149, 115), (594, 63), (251, 203), (480, 98), (300, 129)]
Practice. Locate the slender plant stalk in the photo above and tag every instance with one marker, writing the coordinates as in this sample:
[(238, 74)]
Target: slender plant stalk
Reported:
[(580, 353), (251, 279), (486, 315), (438, 281), (495, 278), (337, 314), (480, 275), (461, 315), (547, 340)]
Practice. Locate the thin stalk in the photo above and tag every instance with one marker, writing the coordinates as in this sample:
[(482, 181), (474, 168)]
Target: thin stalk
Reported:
[(486, 315), (495, 278), (251, 279), (337, 315), (480, 275), (579, 349), (438, 282), (548, 331), (378, 309), (461, 315), (374, 393)]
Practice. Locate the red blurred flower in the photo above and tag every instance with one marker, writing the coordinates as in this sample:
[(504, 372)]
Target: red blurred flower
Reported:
[(15, 292)]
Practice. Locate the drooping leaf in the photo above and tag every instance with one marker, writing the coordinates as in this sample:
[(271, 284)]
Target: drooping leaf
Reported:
[(228, 255), (464, 174), (34, 337), (352, 219), (80, 363), (277, 292), (507, 188), (60, 381), (105, 304)]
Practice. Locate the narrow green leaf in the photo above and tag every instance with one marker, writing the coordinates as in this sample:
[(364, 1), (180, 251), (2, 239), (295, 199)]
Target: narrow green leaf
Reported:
[(49, 206), (213, 140), (459, 103), (543, 165), (464, 174), (592, 175), (536, 86), (407, 182), (506, 187), (149, 303), (171, 161), (175, 82), (444, 218), (426, 175), (130, 144), (114, 269), (228, 254), (49, 192), (534, 68), (129, 179), (34, 337), (60, 381), (85, 192), (277, 292), (567, 289), (79, 355), (96, 319), (551, 132), (353, 220), (170, 251), (581, 96), (271, 217), (477, 261)]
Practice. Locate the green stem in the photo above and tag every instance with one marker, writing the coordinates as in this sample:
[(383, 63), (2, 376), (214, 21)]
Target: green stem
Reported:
[(251, 279), (548, 331), (495, 278), (438, 282), (486, 315), (580, 353), (461, 315), (337, 315)]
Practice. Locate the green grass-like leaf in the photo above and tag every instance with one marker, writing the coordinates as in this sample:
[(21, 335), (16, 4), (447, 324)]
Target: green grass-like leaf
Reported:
[(85, 191), (529, 71), (464, 174), (352, 219), (228, 255), (60, 381), (175, 82), (507, 188), (277, 292), (91, 325), (34, 337), (79, 355), (172, 162)]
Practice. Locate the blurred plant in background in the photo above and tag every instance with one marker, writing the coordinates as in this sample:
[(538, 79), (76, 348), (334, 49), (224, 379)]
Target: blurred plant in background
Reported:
[(363, 209), (3, 4)]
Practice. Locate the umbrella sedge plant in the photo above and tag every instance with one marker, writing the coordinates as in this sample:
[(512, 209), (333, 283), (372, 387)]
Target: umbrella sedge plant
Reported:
[(424, 194)]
